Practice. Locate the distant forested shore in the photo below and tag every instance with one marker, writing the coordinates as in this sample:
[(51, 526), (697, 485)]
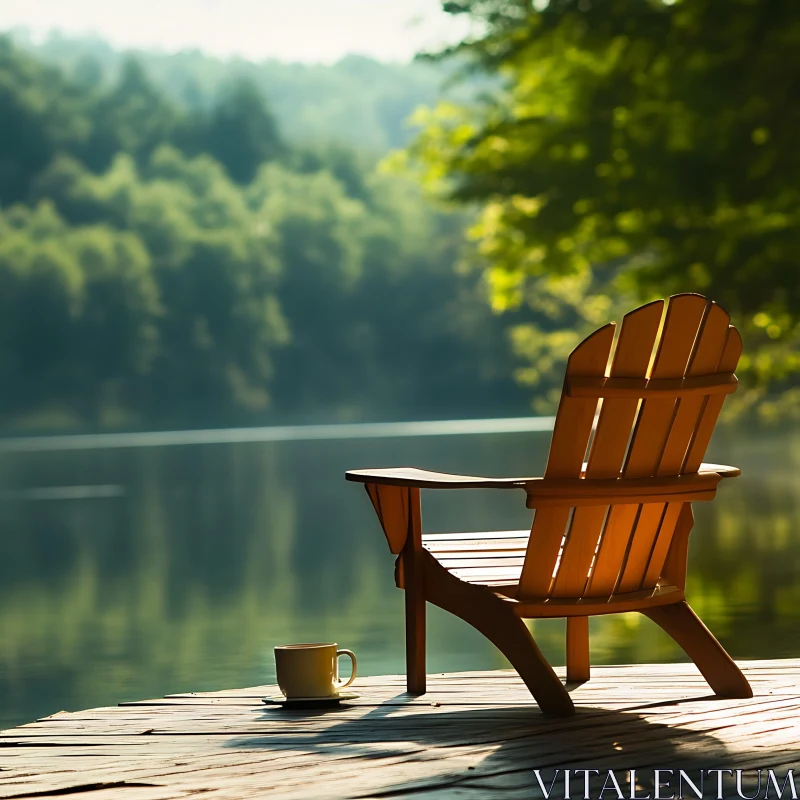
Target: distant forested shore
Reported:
[(357, 101), (186, 241)]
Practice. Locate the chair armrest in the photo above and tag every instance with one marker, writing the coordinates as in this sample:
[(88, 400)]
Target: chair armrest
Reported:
[(561, 491), (423, 479), (721, 470)]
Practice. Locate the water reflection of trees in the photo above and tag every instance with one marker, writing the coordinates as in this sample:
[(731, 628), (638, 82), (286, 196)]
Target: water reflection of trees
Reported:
[(210, 555)]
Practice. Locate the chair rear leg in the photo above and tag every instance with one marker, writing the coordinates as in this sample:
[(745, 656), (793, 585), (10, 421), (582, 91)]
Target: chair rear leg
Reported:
[(697, 641), (415, 642), (577, 649)]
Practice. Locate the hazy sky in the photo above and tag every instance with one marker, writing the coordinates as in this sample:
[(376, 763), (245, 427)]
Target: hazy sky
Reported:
[(297, 30)]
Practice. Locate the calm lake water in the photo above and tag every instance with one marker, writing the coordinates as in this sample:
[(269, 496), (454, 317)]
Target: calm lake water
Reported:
[(130, 573)]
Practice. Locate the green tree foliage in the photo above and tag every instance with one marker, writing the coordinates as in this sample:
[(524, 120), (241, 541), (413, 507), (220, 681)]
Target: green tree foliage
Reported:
[(431, 332), (318, 227), (161, 266), (241, 133), (40, 113), (636, 148), (132, 117), (214, 266), (79, 310), (357, 101)]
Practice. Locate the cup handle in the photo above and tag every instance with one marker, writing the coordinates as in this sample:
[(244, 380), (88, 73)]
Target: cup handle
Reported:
[(353, 659)]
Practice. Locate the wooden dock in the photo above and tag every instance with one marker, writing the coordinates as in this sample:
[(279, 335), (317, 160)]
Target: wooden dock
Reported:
[(474, 735)]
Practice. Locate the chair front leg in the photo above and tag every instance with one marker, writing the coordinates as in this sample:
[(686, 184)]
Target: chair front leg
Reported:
[(415, 618), (398, 509), (495, 619)]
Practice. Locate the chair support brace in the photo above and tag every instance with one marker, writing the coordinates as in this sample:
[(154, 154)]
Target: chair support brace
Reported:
[(633, 388), (575, 492)]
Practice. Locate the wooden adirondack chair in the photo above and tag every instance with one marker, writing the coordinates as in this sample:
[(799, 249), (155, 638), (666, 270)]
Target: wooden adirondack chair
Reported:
[(612, 513)]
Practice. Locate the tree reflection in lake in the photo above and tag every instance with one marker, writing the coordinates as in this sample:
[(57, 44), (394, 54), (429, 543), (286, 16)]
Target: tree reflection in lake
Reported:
[(165, 569)]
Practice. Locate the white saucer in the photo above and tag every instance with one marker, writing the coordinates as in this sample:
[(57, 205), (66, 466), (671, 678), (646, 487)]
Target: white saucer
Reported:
[(280, 700)]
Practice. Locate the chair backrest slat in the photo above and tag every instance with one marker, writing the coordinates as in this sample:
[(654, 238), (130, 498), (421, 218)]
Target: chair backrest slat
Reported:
[(661, 546), (575, 416), (704, 361), (642, 540), (684, 315), (631, 360), (597, 551), (702, 436), (611, 553), (661, 429), (571, 434)]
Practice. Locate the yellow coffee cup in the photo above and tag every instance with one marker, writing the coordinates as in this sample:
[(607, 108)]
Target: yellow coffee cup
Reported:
[(307, 671)]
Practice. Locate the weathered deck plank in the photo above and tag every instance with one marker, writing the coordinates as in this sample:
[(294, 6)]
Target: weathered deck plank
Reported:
[(472, 735)]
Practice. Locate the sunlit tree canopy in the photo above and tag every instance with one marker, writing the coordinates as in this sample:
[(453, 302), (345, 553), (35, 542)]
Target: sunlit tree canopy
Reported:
[(635, 148)]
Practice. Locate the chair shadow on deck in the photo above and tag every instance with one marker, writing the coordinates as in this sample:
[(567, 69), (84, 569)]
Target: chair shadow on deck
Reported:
[(497, 747)]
